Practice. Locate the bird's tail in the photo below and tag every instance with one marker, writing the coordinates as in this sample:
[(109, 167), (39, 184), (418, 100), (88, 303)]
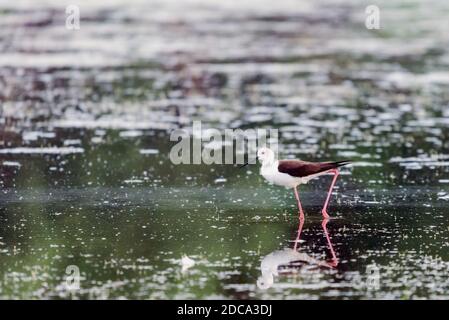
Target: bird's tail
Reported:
[(341, 163), (326, 166)]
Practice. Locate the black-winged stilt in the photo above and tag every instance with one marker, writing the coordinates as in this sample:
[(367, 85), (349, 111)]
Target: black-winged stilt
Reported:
[(289, 259), (291, 173)]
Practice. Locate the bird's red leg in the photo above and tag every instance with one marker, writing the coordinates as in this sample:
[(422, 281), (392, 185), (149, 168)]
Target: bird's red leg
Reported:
[(301, 224), (334, 257), (301, 213), (324, 210)]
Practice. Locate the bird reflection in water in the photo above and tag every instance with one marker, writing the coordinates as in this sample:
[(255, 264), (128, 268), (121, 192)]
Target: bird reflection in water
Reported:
[(287, 260)]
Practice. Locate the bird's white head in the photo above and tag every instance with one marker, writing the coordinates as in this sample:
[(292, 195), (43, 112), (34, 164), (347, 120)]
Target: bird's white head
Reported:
[(266, 156), (265, 281)]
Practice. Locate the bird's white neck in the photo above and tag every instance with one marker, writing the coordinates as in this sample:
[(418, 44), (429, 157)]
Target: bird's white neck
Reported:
[(269, 163)]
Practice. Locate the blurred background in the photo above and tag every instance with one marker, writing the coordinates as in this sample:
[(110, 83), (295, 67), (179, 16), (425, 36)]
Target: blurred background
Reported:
[(85, 119)]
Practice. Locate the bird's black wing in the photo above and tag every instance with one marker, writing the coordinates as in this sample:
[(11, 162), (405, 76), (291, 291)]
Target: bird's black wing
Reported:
[(298, 168)]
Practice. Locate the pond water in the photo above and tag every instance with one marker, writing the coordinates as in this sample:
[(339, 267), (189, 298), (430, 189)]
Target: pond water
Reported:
[(86, 179)]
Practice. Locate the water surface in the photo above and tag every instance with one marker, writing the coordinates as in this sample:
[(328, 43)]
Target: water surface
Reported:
[(86, 178)]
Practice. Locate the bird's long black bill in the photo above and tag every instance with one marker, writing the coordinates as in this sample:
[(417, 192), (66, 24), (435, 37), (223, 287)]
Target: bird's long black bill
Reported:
[(246, 163)]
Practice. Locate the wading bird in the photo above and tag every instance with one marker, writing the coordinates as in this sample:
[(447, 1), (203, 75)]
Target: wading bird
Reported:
[(291, 173), (291, 260)]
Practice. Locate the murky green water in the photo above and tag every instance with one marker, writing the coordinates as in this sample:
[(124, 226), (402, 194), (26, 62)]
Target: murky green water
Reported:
[(84, 160)]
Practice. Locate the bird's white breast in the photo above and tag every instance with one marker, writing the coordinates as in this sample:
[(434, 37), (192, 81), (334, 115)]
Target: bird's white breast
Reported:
[(271, 174)]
